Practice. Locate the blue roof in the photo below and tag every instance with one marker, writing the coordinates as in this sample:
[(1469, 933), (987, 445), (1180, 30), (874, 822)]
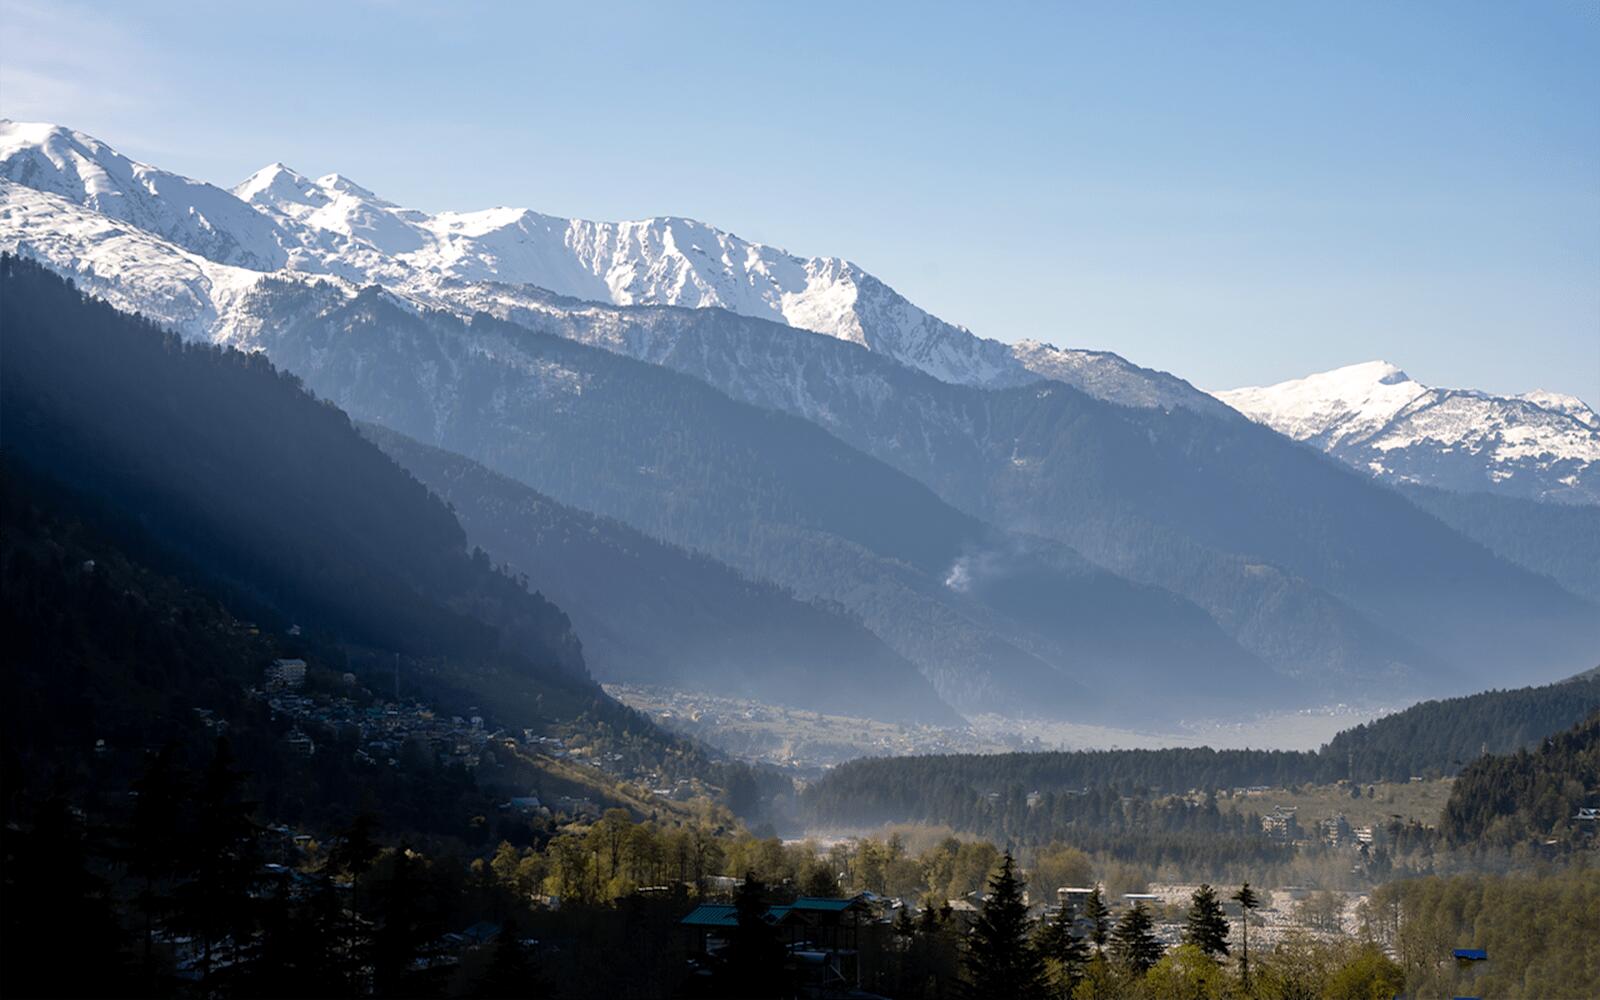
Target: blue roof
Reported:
[(712, 915), (825, 904), (1472, 954), (727, 915)]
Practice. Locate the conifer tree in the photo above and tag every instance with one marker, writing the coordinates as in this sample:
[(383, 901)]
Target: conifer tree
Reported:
[(403, 925), (1248, 900), (1098, 914), (152, 844), (1057, 940), (1000, 960), (1206, 927), (755, 957), (216, 903), (352, 855), (511, 971), (1134, 943)]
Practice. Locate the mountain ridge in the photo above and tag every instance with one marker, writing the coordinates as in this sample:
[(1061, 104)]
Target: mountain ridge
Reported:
[(333, 227), (1036, 458), (1373, 416)]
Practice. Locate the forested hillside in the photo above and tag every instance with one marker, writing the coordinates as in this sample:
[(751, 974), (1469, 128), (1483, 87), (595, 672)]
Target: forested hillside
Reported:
[(107, 658), (775, 497), (988, 793), (210, 466), (654, 613), (1309, 565), (1439, 737), (1531, 795), (1561, 541), (228, 464)]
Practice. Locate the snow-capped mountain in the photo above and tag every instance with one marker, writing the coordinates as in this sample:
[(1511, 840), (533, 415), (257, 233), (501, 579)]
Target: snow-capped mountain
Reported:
[(1207, 507), (134, 270), (196, 216), (331, 226), (1541, 445)]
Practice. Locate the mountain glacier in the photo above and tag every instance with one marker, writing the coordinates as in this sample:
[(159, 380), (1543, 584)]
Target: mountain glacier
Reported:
[(1538, 445)]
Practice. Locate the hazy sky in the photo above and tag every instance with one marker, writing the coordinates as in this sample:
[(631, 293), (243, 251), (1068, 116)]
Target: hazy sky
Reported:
[(1238, 193)]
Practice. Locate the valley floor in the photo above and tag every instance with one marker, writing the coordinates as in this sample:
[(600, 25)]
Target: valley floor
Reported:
[(807, 742)]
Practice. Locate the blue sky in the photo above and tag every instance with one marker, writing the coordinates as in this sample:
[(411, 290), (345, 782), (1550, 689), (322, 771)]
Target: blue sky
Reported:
[(1235, 192)]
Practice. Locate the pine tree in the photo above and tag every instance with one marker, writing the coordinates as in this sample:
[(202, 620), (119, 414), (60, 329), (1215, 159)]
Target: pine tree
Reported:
[(153, 843), (1207, 927), (216, 903), (1247, 900), (404, 925), (1000, 961), (1056, 940), (755, 957), (511, 970), (298, 951), (1134, 943), (352, 855), (1098, 914)]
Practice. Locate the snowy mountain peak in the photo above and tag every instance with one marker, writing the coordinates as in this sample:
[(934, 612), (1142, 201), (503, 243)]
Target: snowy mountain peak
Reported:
[(1560, 402), (1330, 407), (276, 184), (195, 216), (1374, 416), (344, 185), (1386, 373), (279, 219)]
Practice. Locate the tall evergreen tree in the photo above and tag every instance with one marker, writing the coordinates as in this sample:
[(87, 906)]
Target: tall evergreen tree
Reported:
[(216, 903), (1098, 914), (352, 855), (404, 925), (153, 845), (1000, 960), (755, 957), (58, 932), (511, 970), (1057, 939), (298, 951), (1248, 900), (1206, 927), (1134, 943)]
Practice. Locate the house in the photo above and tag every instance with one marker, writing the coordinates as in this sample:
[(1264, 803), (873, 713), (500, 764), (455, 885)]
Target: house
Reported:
[(1073, 897), (821, 935), (1281, 824), (300, 743), (286, 674)]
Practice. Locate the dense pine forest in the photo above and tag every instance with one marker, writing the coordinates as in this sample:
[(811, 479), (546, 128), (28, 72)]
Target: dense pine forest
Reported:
[(1501, 801)]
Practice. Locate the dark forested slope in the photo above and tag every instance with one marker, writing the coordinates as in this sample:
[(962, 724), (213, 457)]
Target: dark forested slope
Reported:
[(654, 613), (1530, 795), (227, 464), (1562, 541)]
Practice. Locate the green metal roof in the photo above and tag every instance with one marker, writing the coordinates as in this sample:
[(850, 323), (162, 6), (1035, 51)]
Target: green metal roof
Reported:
[(712, 915), (727, 915), (825, 904)]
